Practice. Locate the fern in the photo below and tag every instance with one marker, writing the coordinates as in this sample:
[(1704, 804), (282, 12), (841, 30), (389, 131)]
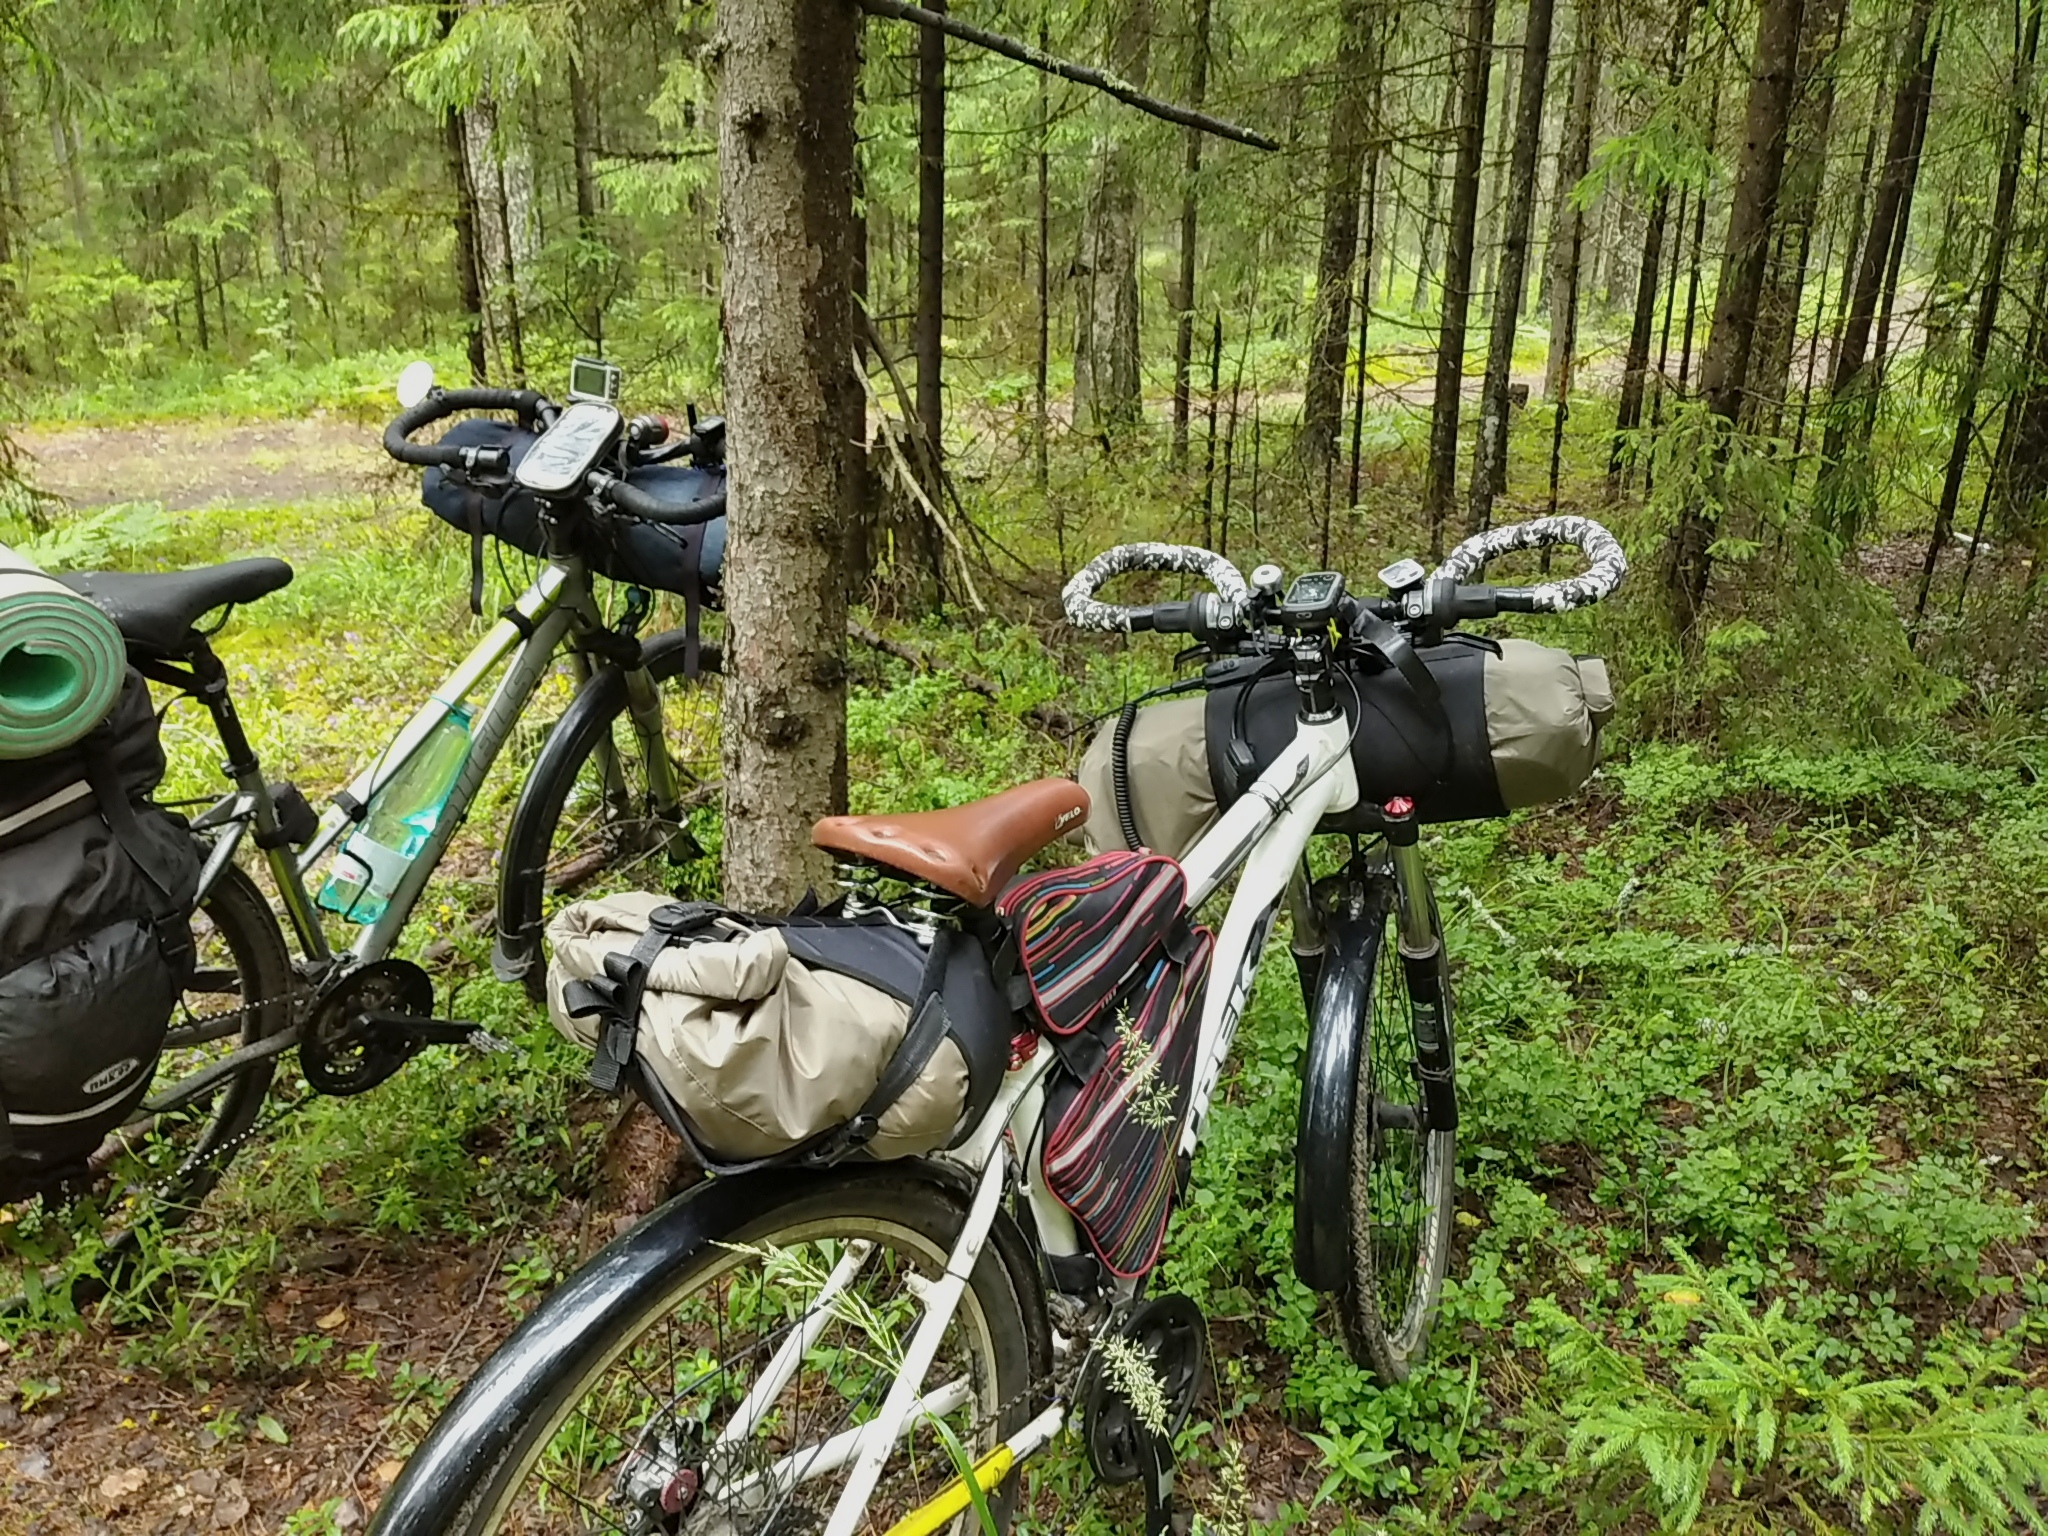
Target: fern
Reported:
[(1958, 1449)]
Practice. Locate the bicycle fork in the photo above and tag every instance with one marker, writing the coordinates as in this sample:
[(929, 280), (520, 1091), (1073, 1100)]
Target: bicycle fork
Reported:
[(1422, 961)]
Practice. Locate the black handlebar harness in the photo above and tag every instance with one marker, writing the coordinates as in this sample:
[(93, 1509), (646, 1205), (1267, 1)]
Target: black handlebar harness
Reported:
[(646, 441)]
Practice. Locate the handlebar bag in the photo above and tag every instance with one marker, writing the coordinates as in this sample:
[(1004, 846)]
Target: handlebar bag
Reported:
[(1115, 974), (1518, 725), (683, 560), (764, 1041), (96, 888)]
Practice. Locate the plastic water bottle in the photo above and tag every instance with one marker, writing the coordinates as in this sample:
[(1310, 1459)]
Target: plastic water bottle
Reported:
[(401, 817)]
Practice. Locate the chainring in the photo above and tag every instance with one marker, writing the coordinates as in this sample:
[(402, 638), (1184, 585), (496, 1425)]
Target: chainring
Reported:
[(344, 1052), (1170, 1331)]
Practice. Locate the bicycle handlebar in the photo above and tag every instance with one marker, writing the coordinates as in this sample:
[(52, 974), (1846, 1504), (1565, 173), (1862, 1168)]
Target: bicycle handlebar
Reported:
[(1605, 563), (652, 509), (1085, 612), (441, 403), (1444, 599)]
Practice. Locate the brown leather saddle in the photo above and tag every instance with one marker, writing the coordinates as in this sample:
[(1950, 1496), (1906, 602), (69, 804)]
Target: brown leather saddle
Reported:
[(971, 851)]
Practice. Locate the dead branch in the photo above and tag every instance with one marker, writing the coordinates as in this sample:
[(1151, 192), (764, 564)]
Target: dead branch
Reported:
[(1066, 69)]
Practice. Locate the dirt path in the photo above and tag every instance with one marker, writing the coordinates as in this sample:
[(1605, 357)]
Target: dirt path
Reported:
[(188, 464)]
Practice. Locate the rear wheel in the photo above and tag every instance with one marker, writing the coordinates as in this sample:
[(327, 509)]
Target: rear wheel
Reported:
[(239, 994), (1403, 1171), (587, 823), (640, 1425)]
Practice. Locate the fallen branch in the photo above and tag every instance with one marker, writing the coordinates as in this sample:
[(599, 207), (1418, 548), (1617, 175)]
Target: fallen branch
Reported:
[(917, 491), (1046, 717), (1080, 74)]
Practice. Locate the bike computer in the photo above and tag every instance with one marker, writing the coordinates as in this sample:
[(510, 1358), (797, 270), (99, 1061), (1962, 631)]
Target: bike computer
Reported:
[(1312, 599), (569, 449), (590, 379)]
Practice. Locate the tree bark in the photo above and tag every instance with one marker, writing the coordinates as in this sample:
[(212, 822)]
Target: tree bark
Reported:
[(1184, 297), (1835, 502), (931, 253), (1490, 453), (1475, 46), (1902, 231), (1432, 206), (583, 126), (786, 174), (1806, 158), (1759, 173), (1041, 438), (1106, 382), (1567, 219), (2017, 120), (468, 270), (1323, 399)]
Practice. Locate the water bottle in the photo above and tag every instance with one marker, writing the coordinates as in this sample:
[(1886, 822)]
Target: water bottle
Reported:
[(400, 818)]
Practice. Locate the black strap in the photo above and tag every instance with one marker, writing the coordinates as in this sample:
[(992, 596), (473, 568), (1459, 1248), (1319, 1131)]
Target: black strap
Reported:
[(511, 615), (929, 1025), (473, 513), (173, 924)]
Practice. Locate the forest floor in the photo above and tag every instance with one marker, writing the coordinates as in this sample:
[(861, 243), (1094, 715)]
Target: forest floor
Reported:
[(1761, 1021)]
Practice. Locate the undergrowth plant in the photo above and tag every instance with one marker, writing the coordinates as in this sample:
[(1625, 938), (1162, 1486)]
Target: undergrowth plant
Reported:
[(1741, 1408)]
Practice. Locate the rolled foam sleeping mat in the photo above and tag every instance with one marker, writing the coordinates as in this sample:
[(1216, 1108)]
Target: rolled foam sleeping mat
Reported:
[(61, 662)]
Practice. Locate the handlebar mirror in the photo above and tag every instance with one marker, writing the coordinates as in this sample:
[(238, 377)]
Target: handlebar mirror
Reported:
[(415, 382)]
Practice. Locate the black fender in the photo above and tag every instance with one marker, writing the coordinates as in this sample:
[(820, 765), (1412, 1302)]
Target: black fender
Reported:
[(522, 862), (592, 1307), (1322, 1142)]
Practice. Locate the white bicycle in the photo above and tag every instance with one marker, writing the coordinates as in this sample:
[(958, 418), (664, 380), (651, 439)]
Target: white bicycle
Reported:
[(874, 1347)]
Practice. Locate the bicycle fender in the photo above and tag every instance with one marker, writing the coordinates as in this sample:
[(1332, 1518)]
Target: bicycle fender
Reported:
[(522, 866), (1322, 1144)]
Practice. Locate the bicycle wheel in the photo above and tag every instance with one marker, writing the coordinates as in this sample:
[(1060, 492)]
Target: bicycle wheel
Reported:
[(1403, 1172), (240, 992), (620, 1405), (586, 824)]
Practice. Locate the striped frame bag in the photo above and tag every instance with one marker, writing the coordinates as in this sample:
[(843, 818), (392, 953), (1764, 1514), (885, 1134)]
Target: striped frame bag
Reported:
[(1115, 975)]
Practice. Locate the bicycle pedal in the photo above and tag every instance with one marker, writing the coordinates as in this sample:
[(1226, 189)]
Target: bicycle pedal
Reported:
[(491, 1045)]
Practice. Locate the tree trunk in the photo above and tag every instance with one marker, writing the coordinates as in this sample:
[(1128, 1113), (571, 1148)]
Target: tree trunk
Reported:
[(583, 125), (1628, 415), (931, 251), (1759, 171), (1486, 242), (468, 268), (1902, 232), (1567, 219), (1041, 438), (1323, 399), (1806, 158), (1835, 503), (1490, 453), (786, 175), (1106, 382), (198, 293), (1184, 297), (1365, 297), (1475, 46), (1425, 255), (1987, 303)]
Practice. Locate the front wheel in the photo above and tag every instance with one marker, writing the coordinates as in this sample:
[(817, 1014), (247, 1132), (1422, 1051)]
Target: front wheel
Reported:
[(710, 1370), (1403, 1169), (587, 822)]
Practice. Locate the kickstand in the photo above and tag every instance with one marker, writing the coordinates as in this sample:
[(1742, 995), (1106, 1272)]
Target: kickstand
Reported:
[(1156, 1451)]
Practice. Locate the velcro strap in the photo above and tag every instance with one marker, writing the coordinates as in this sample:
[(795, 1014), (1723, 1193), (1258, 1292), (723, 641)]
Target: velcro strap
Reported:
[(929, 1024), (473, 510), (621, 1011)]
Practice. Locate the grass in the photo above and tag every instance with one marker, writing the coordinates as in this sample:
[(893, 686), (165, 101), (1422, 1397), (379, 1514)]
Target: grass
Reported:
[(1751, 1069)]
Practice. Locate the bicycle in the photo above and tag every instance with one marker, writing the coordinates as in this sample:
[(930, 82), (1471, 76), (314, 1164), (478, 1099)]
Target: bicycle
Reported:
[(756, 1355), (609, 792)]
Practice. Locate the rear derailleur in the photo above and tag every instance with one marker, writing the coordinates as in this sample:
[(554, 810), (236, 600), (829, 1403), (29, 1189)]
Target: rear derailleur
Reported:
[(371, 1020)]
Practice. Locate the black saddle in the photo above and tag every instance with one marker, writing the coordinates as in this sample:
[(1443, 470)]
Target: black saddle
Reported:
[(156, 610)]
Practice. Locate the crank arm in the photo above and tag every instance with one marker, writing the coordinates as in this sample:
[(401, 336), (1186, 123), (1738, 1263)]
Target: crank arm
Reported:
[(433, 1031)]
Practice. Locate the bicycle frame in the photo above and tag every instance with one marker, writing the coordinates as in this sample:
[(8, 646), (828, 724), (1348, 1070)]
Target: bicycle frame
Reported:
[(559, 602), (1262, 838)]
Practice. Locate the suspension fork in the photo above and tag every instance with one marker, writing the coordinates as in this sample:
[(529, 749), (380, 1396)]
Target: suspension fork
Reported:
[(1422, 960)]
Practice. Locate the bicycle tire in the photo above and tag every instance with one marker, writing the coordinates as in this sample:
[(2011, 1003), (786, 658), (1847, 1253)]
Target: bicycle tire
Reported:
[(1399, 1237), (263, 978), (537, 854), (468, 1473)]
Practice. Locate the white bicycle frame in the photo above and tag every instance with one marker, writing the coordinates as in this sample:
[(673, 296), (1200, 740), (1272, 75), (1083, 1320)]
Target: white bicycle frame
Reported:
[(1262, 837)]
